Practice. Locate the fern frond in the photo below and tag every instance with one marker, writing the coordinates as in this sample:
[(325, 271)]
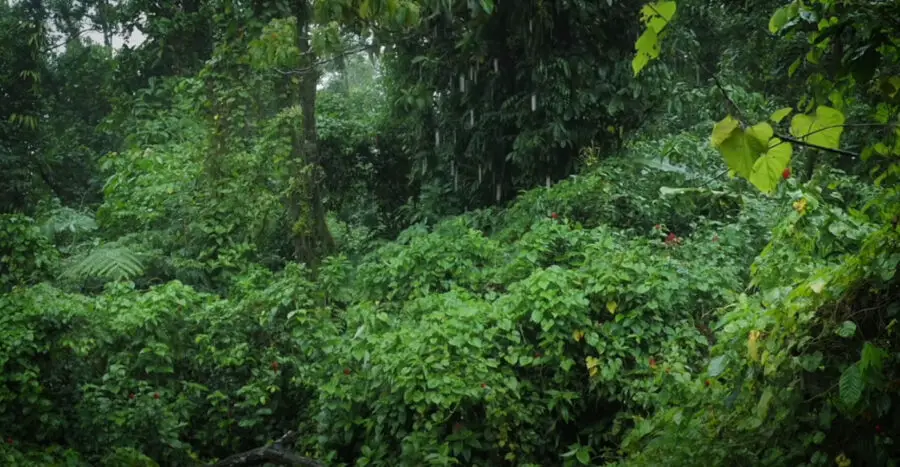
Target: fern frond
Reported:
[(66, 221), (104, 262)]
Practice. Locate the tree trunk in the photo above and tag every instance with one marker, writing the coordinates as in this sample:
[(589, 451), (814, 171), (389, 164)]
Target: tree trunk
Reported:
[(311, 237)]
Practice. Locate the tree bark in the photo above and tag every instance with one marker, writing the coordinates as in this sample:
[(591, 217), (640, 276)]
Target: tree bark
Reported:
[(311, 237)]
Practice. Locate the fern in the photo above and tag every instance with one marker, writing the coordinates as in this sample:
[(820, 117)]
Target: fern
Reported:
[(67, 220), (106, 262)]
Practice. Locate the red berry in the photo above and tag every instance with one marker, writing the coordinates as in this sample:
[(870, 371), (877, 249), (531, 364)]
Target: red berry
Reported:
[(786, 174), (156, 395), (131, 396), (554, 216), (346, 371)]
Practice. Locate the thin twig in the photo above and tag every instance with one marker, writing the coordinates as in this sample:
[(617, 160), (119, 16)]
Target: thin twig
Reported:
[(790, 139)]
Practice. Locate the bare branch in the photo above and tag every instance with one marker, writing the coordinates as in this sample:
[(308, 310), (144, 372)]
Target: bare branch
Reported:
[(318, 63), (790, 139)]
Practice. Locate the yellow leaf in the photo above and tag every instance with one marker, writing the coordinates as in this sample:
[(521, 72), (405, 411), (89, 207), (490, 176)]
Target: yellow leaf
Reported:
[(778, 115), (723, 130), (612, 307), (800, 206), (591, 363), (753, 345), (767, 170), (364, 9), (823, 128), (578, 335), (762, 132)]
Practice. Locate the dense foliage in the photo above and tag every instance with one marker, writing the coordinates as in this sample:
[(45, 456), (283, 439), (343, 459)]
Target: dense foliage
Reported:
[(397, 232)]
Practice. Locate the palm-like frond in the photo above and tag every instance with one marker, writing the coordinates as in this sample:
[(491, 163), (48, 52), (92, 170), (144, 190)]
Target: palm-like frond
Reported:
[(107, 262)]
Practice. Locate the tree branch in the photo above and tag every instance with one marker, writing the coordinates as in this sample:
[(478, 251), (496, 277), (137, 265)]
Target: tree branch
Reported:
[(273, 454), (796, 141), (316, 64)]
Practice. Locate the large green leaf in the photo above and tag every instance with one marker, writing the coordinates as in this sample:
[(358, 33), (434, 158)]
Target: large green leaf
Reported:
[(723, 130), (778, 20), (738, 154), (717, 366), (851, 385), (767, 170), (778, 115), (647, 48), (760, 134), (657, 15), (823, 128)]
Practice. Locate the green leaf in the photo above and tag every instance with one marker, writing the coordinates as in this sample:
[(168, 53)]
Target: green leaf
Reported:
[(779, 114), (657, 15), (723, 130), (364, 9), (647, 48), (778, 20), (583, 456), (872, 358), (794, 66), (762, 407), (851, 385), (767, 170), (487, 6), (760, 134), (716, 366), (847, 329), (817, 286), (738, 154), (824, 128)]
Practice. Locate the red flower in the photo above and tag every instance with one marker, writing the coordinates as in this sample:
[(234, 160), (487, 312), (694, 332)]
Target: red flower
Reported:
[(672, 239), (131, 396), (652, 362), (347, 371), (275, 366), (786, 174), (554, 215), (156, 395)]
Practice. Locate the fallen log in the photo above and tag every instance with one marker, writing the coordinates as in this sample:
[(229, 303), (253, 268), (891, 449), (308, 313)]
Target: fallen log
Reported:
[(277, 453)]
